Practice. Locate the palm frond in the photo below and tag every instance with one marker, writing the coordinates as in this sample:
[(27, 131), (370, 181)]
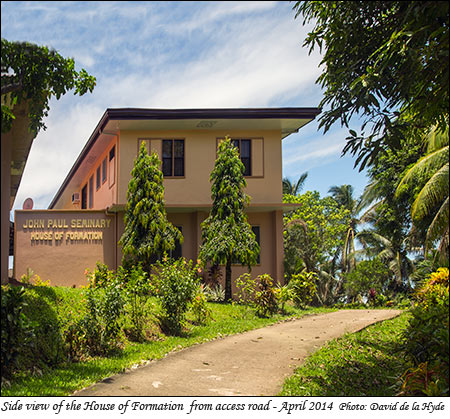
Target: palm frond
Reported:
[(424, 166), (434, 191), (439, 225)]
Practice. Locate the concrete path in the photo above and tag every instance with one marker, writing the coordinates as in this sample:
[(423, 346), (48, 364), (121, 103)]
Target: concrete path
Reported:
[(253, 363)]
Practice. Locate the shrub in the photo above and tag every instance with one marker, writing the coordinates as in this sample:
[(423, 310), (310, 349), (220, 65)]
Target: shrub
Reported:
[(303, 288), (199, 307), (283, 294), (266, 302), (137, 290), (15, 328), (426, 340), (176, 282), (246, 289), (214, 293), (259, 293)]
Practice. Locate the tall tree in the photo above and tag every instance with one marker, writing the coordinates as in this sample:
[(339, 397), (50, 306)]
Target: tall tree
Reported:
[(227, 236), (290, 188), (148, 234), (386, 62)]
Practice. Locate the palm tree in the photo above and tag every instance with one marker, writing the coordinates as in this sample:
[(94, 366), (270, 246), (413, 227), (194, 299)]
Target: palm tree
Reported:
[(433, 199), (376, 245), (343, 195), (290, 188)]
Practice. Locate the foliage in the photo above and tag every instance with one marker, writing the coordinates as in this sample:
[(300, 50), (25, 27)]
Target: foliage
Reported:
[(368, 275), (265, 303), (303, 288), (147, 234), (314, 236), (283, 295), (137, 292), (199, 307), (177, 282), (65, 378), (432, 201), (214, 293), (226, 234), (385, 62), (366, 363), (260, 293), (313, 233), (290, 188), (15, 328), (427, 337), (35, 73)]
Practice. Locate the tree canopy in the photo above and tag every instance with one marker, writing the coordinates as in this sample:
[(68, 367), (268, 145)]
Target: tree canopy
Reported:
[(147, 234), (226, 234), (36, 73), (385, 62)]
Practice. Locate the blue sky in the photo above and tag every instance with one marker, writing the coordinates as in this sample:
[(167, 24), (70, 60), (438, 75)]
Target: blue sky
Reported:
[(176, 55)]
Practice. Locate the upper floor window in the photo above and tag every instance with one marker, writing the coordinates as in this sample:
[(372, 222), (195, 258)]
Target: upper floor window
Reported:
[(84, 193), (98, 182), (245, 152), (91, 192), (173, 158)]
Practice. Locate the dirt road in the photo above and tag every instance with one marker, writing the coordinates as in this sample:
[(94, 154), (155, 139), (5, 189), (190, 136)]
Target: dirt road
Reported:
[(253, 363)]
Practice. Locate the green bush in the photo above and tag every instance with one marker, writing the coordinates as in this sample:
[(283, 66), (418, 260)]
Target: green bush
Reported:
[(137, 292), (259, 293), (426, 340), (266, 302), (303, 288), (199, 307), (176, 283), (15, 328)]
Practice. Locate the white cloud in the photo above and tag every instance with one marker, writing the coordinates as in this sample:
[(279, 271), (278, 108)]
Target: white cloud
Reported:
[(243, 54)]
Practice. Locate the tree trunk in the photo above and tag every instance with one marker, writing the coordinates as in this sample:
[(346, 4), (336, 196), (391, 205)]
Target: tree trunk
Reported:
[(228, 293)]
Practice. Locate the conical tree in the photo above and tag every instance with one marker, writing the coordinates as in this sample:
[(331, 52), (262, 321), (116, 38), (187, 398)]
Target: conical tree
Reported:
[(148, 234), (227, 236)]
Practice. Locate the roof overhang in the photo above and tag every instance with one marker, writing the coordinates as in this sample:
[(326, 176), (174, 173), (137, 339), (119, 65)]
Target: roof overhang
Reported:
[(287, 120), (20, 138)]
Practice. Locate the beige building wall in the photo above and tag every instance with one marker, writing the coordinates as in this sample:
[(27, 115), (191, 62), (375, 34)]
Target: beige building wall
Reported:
[(264, 186)]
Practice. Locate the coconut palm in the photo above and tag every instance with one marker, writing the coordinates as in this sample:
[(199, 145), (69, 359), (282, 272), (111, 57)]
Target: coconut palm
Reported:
[(433, 199), (290, 188), (376, 245), (343, 195)]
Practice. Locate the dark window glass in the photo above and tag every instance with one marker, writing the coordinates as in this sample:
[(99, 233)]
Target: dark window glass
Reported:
[(173, 157), (245, 153), (98, 178), (104, 162), (112, 153), (84, 197), (91, 191)]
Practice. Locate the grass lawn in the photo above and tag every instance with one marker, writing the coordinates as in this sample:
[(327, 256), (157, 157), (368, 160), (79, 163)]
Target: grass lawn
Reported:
[(367, 363), (64, 379)]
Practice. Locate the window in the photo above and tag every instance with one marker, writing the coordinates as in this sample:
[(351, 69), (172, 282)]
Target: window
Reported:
[(245, 152), (173, 158), (104, 162), (112, 165), (84, 197), (91, 191), (98, 177)]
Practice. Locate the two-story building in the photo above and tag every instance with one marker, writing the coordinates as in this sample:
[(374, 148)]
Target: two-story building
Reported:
[(84, 221)]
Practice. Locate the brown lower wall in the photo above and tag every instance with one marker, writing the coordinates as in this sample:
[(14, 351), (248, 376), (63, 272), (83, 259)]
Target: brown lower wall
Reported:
[(60, 245)]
